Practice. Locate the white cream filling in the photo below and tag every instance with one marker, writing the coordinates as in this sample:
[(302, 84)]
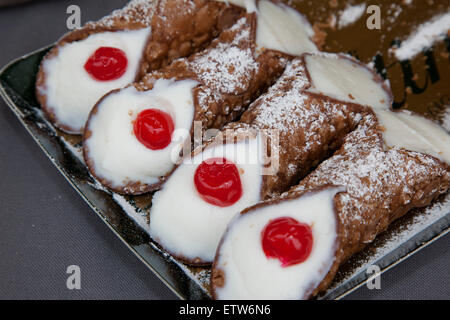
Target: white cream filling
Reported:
[(186, 225), (345, 80), (117, 154), (279, 27), (71, 92), (282, 28), (249, 274), (412, 132)]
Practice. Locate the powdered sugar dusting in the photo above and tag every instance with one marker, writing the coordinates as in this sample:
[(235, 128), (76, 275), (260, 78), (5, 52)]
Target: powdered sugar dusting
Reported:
[(351, 14), (201, 276), (374, 177), (424, 37), (227, 67), (136, 11), (283, 98), (395, 238), (287, 105), (394, 10), (139, 216)]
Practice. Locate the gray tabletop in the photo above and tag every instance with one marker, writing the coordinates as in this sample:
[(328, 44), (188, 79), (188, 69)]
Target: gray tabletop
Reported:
[(45, 226)]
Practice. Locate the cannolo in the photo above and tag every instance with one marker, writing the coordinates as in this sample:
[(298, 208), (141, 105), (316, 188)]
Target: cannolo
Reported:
[(292, 247), (135, 136), (286, 132), (111, 53)]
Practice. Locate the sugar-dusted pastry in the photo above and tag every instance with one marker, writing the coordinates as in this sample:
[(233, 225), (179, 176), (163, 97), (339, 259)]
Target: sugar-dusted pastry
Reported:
[(292, 247), (87, 63), (286, 132), (135, 136)]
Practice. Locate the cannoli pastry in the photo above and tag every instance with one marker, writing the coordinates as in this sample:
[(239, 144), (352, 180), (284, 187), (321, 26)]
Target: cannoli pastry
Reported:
[(292, 247), (300, 121), (118, 49), (135, 136)]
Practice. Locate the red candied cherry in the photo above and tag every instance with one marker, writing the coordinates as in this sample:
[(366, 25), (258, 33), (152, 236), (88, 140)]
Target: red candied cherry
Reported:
[(287, 240), (107, 64), (153, 128), (217, 181)]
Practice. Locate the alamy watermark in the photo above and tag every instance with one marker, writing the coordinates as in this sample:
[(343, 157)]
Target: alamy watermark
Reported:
[(73, 282), (374, 20), (374, 280), (74, 19)]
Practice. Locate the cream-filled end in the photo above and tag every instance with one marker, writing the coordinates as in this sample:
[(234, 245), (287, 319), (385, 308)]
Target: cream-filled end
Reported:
[(343, 78), (70, 91), (282, 28), (186, 225), (112, 148), (245, 270), (412, 132)]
